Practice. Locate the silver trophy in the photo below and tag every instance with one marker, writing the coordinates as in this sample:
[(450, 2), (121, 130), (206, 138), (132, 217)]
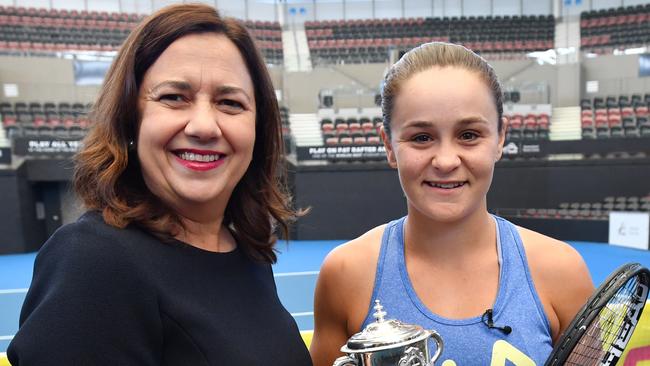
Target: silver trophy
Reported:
[(390, 343)]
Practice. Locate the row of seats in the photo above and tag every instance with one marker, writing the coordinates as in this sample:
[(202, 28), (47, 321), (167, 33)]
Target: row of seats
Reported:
[(72, 14), (529, 127), (615, 117), (35, 119), (351, 130), (32, 30), (364, 44), (52, 36), (624, 27), (589, 210), (491, 28), (366, 40), (612, 101)]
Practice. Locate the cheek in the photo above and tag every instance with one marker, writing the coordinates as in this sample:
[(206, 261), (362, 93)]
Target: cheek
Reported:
[(411, 166), (481, 164), (243, 134)]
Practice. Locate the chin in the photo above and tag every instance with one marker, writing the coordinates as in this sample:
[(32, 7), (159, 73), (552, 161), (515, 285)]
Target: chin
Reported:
[(439, 214)]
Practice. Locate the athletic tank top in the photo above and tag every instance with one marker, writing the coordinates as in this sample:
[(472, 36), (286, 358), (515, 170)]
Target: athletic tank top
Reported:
[(469, 341)]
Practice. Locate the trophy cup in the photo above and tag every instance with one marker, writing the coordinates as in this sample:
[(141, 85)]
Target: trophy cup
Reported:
[(390, 343)]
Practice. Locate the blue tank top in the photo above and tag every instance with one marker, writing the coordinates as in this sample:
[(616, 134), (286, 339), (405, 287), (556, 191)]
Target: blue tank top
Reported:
[(470, 342)]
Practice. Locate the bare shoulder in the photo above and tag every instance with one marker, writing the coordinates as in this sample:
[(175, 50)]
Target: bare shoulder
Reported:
[(560, 275), (352, 264), (550, 255), (342, 295)]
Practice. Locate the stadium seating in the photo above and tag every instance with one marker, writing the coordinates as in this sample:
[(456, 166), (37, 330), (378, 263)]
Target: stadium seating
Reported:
[(359, 130), (587, 210), (368, 40), (531, 127), (603, 30), (37, 31), (615, 117), (269, 39), (35, 119)]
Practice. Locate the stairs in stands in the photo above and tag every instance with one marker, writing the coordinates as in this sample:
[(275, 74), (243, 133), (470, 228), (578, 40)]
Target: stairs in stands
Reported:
[(306, 129), (565, 124), (290, 50), (303, 49), (296, 48)]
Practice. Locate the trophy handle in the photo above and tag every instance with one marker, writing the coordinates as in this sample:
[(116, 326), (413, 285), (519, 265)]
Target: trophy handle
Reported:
[(439, 345), (345, 361)]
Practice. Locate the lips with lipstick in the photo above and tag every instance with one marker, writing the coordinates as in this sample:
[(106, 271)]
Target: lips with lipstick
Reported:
[(200, 160)]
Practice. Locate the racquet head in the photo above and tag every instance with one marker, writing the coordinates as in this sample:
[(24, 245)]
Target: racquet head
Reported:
[(603, 327)]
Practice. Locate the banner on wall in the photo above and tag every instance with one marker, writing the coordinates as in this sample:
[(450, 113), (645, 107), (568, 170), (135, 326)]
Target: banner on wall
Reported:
[(46, 146), (347, 152), (629, 229)]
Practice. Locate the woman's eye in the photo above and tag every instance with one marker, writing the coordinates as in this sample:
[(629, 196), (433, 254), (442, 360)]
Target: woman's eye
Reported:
[(231, 104), (171, 98), (468, 136), (421, 138)]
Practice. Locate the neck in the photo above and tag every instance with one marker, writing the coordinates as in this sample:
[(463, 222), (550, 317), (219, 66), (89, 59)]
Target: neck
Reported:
[(207, 235), (450, 241)]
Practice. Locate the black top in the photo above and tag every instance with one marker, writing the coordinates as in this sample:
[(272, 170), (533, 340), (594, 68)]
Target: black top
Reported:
[(107, 296)]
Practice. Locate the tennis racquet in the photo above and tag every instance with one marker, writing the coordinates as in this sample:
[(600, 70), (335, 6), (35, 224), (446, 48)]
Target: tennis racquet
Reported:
[(599, 333)]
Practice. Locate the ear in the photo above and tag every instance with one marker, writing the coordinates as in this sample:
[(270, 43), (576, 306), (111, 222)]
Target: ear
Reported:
[(390, 153), (502, 138)]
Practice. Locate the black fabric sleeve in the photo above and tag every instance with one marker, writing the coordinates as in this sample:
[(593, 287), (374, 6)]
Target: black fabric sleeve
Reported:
[(88, 304)]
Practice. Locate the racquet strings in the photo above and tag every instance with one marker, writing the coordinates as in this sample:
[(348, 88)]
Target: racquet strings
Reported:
[(610, 325)]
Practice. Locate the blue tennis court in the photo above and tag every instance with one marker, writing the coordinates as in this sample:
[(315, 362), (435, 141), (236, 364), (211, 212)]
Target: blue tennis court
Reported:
[(295, 274)]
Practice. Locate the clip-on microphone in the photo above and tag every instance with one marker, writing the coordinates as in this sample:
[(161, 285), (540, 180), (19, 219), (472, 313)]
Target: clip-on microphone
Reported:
[(490, 323)]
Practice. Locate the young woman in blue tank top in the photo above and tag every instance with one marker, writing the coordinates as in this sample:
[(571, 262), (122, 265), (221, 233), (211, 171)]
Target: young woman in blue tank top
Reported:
[(497, 294)]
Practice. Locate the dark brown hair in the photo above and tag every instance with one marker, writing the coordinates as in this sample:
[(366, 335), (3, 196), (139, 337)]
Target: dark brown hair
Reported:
[(439, 54), (107, 175)]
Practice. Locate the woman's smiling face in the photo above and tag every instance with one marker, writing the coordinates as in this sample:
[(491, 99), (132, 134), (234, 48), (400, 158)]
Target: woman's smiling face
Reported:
[(444, 142), (197, 128)]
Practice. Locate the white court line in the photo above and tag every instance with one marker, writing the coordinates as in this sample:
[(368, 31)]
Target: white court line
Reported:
[(7, 337), (14, 291), (291, 274), (305, 313)]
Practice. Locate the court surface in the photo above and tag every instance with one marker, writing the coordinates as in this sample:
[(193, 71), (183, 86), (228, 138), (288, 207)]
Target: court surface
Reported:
[(295, 275)]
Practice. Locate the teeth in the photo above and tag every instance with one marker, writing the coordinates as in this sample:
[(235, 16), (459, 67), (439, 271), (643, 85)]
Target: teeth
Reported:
[(446, 186), (198, 157)]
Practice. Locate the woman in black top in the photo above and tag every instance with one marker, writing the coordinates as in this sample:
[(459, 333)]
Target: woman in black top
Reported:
[(171, 263)]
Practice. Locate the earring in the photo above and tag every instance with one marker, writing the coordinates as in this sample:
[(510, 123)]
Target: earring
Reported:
[(131, 145)]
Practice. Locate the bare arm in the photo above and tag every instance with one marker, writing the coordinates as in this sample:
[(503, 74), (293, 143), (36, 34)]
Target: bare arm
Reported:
[(571, 287), (343, 293), (561, 278), (330, 318)]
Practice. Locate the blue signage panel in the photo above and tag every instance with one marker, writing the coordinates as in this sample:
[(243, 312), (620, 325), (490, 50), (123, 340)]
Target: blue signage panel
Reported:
[(644, 64)]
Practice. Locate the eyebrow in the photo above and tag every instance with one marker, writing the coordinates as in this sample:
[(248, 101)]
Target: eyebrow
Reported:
[(472, 120), (465, 121), (180, 85), (227, 89), (185, 86)]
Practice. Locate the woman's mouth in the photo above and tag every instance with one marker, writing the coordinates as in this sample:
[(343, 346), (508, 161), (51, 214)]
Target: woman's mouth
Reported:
[(445, 185), (199, 160)]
